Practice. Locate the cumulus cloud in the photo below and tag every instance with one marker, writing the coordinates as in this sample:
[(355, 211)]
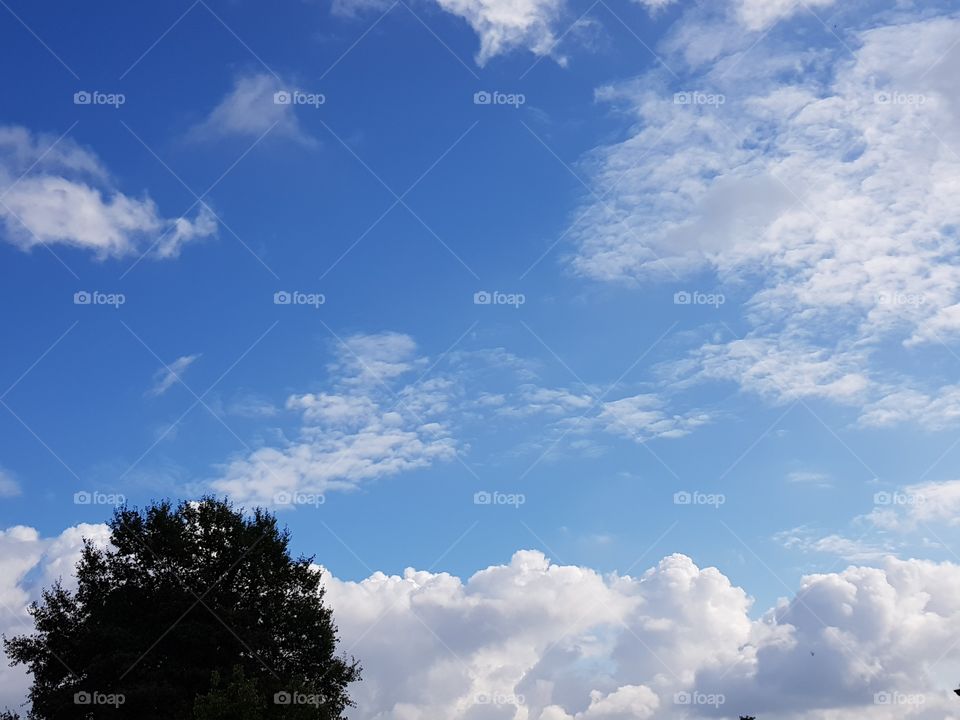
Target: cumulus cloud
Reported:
[(170, 374), (818, 183), (58, 193), (28, 563), (251, 109), (540, 641), (536, 640)]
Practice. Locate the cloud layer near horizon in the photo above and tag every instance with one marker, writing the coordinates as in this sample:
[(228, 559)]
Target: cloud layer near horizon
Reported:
[(537, 640)]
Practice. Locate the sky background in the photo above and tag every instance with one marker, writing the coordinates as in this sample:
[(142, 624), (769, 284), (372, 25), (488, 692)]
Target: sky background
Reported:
[(651, 300)]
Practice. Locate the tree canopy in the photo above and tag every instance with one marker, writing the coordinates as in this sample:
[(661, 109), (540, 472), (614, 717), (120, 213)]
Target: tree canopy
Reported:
[(194, 611)]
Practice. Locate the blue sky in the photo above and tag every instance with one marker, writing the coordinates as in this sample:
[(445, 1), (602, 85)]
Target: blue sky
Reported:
[(721, 241)]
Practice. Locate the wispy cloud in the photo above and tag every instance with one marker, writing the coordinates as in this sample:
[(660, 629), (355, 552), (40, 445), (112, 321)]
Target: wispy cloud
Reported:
[(167, 376), (256, 105)]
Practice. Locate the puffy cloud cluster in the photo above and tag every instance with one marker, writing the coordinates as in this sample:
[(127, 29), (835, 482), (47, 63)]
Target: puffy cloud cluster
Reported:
[(54, 192), (534, 640), (537, 640), (29, 562)]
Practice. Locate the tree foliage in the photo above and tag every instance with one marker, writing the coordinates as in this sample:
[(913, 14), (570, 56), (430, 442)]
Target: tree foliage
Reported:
[(193, 611)]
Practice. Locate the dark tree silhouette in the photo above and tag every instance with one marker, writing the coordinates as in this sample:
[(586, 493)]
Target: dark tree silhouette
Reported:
[(196, 611), (747, 717)]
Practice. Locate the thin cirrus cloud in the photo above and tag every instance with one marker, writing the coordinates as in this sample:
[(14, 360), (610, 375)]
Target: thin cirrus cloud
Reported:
[(389, 409), (53, 192), (839, 183), (167, 376), (255, 106), (9, 487)]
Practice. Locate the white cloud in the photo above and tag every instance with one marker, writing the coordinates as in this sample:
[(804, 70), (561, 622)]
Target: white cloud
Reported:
[(372, 423), (504, 25), (809, 540), (167, 376), (534, 640), (57, 193), (917, 507), (9, 487), (250, 110), (819, 183), (642, 417), (761, 14), (28, 563), (388, 409)]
